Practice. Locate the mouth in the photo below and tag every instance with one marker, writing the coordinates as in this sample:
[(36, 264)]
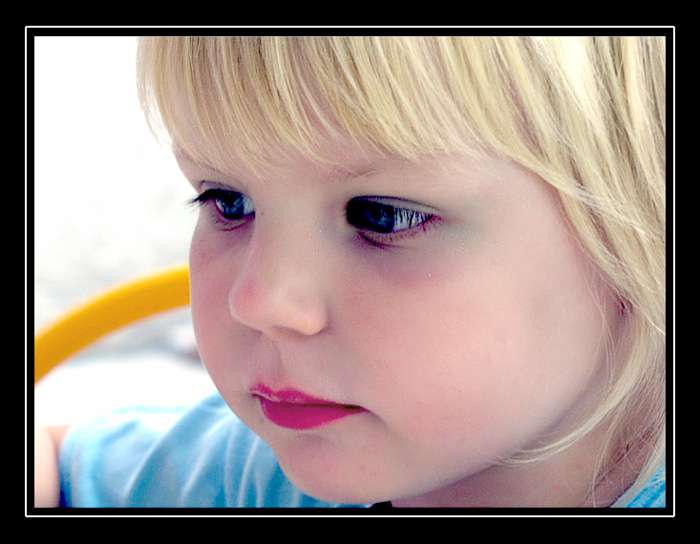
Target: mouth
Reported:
[(295, 410)]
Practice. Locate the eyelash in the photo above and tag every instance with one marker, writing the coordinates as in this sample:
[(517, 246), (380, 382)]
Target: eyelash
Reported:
[(358, 211), (371, 209)]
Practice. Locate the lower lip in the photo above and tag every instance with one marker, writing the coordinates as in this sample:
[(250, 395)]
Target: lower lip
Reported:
[(300, 416)]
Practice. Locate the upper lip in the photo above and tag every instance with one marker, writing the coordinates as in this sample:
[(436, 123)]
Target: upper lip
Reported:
[(289, 396)]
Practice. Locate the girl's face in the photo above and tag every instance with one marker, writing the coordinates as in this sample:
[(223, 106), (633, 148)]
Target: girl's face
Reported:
[(390, 328)]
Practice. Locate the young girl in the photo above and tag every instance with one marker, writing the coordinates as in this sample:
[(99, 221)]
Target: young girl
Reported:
[(428, 271)]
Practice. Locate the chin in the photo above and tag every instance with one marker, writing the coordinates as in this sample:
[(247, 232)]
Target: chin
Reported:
[(336, 487)]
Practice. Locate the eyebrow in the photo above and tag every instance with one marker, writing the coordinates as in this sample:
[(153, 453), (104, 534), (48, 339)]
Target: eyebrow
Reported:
[(342, 174), (198, 172), (182, 155), (362, 169), (331, 172)]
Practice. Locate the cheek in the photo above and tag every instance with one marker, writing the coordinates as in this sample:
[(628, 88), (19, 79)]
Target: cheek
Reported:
[(435, 369), (210, 272), (431, 331), (472, 343), (431, 310), (207, 283)]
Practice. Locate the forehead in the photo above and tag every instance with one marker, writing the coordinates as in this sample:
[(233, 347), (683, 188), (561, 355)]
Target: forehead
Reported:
[(332, 159)]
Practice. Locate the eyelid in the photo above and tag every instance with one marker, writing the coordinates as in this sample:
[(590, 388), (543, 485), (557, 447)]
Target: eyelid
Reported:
[(402, 203), (212, 191), (205, 185), (210, 194)]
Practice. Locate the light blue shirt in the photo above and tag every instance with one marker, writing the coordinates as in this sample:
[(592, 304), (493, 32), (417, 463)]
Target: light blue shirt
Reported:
[(171, 457), (202, 456), (651, 495)]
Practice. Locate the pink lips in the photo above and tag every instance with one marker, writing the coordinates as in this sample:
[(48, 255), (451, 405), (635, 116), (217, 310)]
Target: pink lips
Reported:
[(295, 410)]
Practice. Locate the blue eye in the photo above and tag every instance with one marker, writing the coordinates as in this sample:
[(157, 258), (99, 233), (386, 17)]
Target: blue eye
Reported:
[(378, 217), (231, 205)]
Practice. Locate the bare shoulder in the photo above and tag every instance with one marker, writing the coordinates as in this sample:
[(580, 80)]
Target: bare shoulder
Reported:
[(47, 441)]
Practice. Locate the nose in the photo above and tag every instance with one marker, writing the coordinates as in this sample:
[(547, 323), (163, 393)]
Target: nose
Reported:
[(279, 286)]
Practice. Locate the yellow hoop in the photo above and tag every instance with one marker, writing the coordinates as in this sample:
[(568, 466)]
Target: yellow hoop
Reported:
[(115, 307)]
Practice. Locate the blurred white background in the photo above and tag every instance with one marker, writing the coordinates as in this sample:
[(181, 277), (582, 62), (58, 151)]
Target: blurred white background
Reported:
[(109, 204)]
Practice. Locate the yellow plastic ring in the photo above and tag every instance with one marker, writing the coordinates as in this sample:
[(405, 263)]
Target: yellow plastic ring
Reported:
[(111, 309)]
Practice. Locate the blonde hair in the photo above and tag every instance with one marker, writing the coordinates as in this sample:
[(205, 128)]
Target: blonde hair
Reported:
[(587, 114)]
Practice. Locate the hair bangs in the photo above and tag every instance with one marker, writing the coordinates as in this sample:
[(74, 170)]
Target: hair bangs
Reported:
[(255, 97)]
